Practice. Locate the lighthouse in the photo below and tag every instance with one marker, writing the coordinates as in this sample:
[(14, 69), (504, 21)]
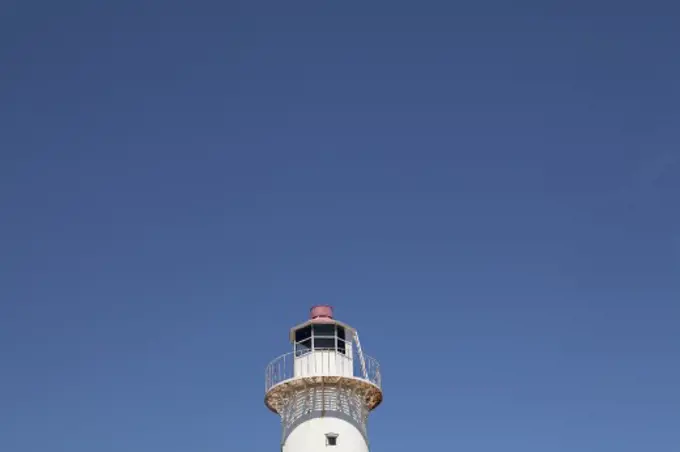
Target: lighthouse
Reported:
[(325, 388)]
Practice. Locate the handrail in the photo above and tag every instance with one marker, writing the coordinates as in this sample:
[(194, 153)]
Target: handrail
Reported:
[(361, 354), (282, 368)]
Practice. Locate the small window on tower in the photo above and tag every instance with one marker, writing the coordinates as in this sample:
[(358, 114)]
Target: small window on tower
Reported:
[(303, 334), (342, 345), (324, 343), (304, 347), (324, 330), (331, 439)]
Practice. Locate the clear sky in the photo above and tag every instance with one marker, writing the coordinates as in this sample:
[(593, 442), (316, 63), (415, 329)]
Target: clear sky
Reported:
[(487, 190)]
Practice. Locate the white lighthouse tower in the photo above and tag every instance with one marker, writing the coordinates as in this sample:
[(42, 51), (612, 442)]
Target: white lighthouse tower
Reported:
[(325, 388)]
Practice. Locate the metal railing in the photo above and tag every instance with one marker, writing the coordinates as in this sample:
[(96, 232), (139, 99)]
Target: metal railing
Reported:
[(287, 366)]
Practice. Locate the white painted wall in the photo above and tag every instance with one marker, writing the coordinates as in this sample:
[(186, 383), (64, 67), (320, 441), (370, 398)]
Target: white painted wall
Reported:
[(324, 362), (310, 436)]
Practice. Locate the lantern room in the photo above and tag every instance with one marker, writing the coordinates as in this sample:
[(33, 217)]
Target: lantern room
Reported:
[(322, 345)]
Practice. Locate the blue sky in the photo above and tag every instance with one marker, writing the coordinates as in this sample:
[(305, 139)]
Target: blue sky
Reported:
[(486, 190)]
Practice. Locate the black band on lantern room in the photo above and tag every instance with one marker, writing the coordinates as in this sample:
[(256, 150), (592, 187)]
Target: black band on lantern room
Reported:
[(320, 336)]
